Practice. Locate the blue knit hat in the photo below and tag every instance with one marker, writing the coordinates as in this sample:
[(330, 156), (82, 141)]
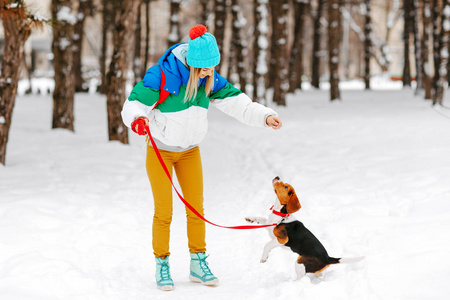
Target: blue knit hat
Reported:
[(203, 51)]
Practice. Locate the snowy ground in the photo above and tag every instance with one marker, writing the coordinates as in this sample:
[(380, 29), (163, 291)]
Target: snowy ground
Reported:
[(372, 173)]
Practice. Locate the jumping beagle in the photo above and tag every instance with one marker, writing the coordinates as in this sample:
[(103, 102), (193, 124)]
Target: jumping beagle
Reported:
[(313, 258)]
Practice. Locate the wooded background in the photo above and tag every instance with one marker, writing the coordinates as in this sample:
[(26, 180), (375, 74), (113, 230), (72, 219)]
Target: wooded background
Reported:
[(275, 45)]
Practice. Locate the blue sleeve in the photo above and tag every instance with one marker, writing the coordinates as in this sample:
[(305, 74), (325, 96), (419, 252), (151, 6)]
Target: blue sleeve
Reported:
[(219, 82), (152, 78)]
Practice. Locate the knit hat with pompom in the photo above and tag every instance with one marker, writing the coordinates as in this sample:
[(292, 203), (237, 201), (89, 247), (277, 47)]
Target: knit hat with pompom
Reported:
[(203, 51)]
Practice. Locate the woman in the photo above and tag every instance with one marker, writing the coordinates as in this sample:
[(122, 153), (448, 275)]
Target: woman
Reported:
[(178, 125)]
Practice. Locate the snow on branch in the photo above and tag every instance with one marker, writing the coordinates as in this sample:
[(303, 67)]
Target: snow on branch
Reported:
[(383, 59)]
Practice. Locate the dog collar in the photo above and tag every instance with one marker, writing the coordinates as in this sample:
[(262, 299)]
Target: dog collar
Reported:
[(280, 214)]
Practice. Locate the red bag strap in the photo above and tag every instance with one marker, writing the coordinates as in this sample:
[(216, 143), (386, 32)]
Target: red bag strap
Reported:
[(163, 94)]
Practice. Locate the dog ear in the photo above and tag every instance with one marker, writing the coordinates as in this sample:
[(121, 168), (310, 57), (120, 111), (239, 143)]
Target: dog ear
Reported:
[(293, 204)]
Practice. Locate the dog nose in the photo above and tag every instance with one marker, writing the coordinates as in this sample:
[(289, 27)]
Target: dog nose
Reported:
[(275, 179)]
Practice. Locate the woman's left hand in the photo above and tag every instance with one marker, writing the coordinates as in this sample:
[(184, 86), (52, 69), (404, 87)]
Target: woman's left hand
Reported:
[(273, 122)]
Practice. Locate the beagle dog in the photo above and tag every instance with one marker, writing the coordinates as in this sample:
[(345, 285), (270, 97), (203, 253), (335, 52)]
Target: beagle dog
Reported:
[(313, 258)]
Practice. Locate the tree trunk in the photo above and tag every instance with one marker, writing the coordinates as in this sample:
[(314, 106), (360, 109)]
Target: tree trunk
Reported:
[(84, 9), (436, 57), (174, 35), (63, 94), (367, 45), (427, 33), (204, 12), (407, 8), (17, 30), (296, 58), (417, 45), (231, 72), (393, 15), (107, 18), (334, 33), (239, 48), (272, 75), (443, 51), (315, 72), (219, 25), (280, 9), (147, 37), (260, 50), (137, 65), (122, 38)]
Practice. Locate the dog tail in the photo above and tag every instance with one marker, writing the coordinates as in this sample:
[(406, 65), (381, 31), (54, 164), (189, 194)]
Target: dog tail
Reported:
[(333, 260), (346, 260)]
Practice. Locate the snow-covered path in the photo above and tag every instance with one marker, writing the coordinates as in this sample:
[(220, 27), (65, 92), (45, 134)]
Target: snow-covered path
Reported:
[(372, 173)]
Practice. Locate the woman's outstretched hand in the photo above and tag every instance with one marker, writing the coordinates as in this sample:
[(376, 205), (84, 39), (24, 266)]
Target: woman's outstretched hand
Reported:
[(273, 122)]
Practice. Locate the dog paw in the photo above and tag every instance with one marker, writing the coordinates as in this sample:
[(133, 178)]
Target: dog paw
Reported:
[(250, 220), (257, 220), (263, 259)]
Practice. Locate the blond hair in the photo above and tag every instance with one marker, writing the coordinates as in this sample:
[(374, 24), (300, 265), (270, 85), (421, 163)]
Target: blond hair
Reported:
[(192, 86)]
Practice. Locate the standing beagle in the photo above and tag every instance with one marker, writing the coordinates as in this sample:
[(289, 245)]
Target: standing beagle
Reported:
[(313, 258)]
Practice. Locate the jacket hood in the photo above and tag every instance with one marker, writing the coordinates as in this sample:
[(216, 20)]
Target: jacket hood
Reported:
[(174, 69)]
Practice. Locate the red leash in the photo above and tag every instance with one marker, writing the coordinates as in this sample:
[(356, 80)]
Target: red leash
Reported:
[(187, 203)]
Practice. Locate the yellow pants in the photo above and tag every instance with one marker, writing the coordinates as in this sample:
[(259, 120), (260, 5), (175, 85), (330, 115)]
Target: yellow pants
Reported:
[(188, 168)]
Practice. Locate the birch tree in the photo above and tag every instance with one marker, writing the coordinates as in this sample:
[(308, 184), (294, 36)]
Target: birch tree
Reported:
[(125, 12), (334, 33), (378, 47), (62, 48), (18, 23), (280, 9), (260, 46)]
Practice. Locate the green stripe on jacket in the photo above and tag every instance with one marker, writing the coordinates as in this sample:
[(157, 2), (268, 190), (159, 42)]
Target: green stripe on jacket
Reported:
[(173, 103), (227, 91)]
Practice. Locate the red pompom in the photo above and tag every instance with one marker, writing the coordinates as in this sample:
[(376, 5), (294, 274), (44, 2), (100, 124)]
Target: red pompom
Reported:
[(196, 31)]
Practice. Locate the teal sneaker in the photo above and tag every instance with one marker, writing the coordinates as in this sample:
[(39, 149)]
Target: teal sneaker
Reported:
[(200, 271), (163, 279)]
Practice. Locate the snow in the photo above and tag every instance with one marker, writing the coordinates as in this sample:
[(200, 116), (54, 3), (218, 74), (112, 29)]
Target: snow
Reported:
[(38, 17), (261, 66), (263, 27), (281, 41), (427, 11), (371, 172), (65, 14), (392, 14), (64, 43)]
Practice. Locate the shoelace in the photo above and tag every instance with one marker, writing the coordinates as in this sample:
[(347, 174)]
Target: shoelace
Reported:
[(204, 266), (165, 272)]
